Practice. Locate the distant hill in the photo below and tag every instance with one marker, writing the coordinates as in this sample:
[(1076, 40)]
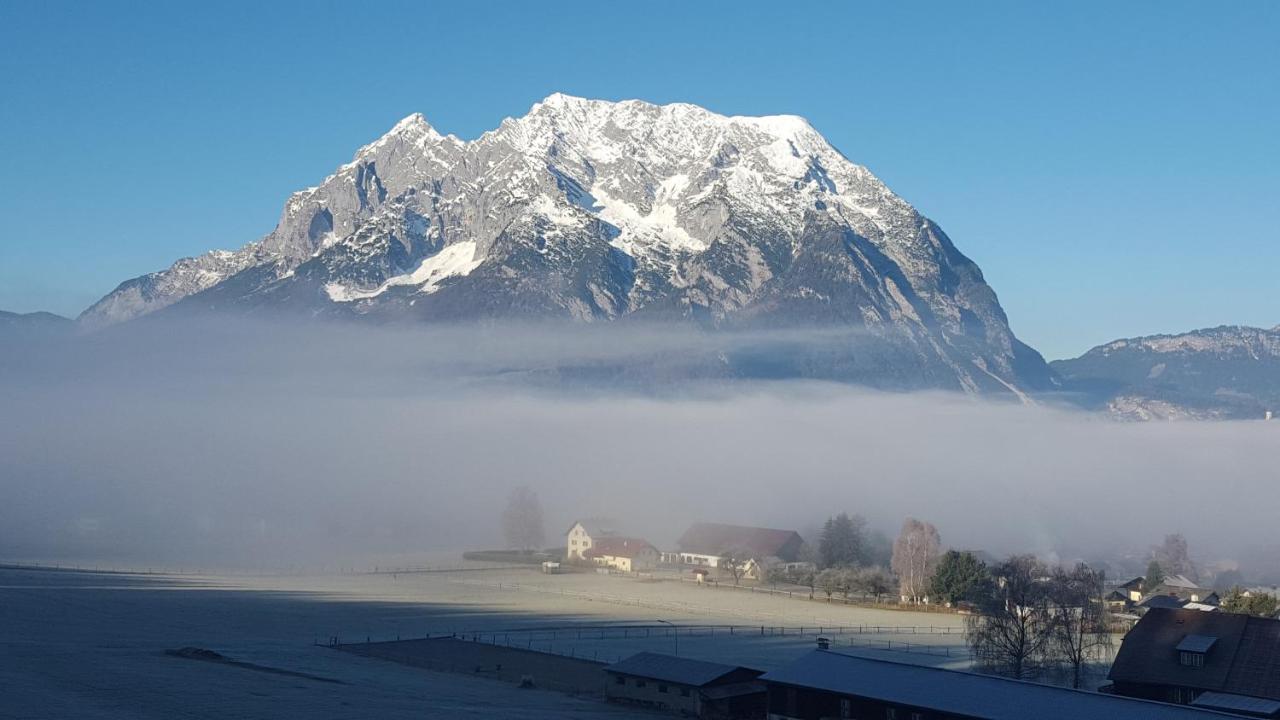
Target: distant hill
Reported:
[(1230, 371), (33, 323)]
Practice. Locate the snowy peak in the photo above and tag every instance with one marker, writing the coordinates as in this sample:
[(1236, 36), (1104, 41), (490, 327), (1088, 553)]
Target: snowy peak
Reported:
[(413, 130), (592, 210)]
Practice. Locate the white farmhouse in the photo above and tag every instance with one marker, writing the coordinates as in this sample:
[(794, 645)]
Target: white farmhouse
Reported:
[(584, 534)]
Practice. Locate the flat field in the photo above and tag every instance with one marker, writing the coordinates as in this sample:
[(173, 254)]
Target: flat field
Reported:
[(92, 645)]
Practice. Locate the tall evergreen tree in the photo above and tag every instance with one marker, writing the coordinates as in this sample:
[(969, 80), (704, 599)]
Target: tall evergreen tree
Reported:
[(1154, 578), (959, 576), (843, 542)]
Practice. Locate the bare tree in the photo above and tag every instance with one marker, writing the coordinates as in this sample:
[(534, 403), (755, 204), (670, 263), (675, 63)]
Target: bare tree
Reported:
[(874, 581), (915, 554), (1012, 633), (846, 581), (1081, 633), (1174, 556), (831, 581), (775, 575), (522, 520), (734, 562), (806, 573)]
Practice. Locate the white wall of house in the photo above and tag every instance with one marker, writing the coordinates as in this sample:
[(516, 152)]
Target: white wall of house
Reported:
[(577, 542), (643, 560), (612, 561)]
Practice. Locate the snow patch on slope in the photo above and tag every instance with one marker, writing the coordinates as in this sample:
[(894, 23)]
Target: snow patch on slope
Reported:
[(452, 261), (638, 230)]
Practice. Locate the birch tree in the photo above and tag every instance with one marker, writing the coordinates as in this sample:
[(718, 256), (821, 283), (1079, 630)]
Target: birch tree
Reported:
[(915, 553)]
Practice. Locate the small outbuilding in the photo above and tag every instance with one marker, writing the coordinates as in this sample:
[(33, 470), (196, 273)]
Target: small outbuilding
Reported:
[(687, 687), (623, 553)]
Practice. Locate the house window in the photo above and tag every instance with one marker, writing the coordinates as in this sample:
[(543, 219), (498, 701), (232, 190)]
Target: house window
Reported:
[(846, 708), (640, 683), (890, 714), (662, 688), (684, 692), (619, 680), (917, 716), (1191, 659)]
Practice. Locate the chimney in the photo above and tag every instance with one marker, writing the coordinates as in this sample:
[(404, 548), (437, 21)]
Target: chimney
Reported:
[(824, 643)]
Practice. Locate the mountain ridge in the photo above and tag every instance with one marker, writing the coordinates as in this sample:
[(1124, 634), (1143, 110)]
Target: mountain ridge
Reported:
[(1223, 372), (590, 210)]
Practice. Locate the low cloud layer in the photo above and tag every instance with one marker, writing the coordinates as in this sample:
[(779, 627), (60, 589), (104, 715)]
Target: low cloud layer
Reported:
[(262, 445)]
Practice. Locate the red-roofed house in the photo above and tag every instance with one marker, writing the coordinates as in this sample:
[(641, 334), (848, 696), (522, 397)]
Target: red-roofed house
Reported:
[(623, 553)]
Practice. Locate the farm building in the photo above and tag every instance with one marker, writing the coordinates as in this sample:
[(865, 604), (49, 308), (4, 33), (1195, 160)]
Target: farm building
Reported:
[(623, 553), (828, 684), (583, 534), (705, 543), (686, 687)]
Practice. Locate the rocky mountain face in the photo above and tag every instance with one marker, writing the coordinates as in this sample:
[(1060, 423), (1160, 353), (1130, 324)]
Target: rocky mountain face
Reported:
[(587, 211), (1223, 372)]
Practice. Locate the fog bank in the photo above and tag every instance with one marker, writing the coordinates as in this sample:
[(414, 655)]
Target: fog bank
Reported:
[(264, 445)]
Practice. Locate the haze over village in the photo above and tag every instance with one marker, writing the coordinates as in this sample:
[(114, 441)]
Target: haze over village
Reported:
[(738, 361)]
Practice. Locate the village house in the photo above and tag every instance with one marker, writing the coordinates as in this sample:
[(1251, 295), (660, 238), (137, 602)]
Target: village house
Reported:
[(1133, 589), (686, 687), (1213, 660), (1181, 587), (1117, 602), (828, 684), (1173, 602), (583, 534), (623, 553), (704, 544)]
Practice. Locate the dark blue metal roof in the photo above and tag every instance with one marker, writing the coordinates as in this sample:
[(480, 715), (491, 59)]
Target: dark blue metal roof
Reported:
[(684, 671), (968, 694)]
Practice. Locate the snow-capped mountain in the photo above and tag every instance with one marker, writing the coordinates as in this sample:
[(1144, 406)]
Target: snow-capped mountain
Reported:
[(1224, 372), (590, 210)]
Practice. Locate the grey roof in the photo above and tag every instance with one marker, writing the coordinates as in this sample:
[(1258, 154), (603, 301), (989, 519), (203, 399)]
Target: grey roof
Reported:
[(1237, 703), (1161, 601), (968, 694), (1196, 643), (596, 527), (684, 671)]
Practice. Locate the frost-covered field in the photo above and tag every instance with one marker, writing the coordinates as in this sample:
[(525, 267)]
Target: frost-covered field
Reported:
[(91, 645)]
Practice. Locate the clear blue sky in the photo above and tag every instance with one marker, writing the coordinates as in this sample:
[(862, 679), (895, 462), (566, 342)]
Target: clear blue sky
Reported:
[(1113, 167)]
